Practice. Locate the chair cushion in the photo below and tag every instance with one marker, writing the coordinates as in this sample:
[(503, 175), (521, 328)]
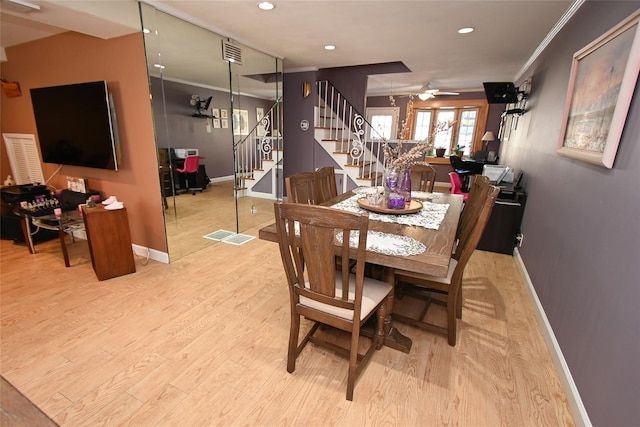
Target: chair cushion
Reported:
[(446, 280), (373, 292)]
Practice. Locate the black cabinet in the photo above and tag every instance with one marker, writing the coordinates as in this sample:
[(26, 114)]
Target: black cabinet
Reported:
[(503, 227)]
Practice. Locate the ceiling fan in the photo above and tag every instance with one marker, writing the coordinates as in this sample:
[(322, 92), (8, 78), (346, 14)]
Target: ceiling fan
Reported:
[(426, 92)]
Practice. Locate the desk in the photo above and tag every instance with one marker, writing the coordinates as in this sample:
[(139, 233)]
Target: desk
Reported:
[(434, 261)]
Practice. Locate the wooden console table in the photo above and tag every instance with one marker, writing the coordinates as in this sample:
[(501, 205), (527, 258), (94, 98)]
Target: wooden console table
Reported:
[(109, 241)]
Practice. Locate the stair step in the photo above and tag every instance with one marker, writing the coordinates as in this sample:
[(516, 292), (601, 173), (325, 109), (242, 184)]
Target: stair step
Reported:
[(358, 165)]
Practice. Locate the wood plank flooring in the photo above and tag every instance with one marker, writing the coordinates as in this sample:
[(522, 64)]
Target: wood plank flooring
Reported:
[(202, 341)]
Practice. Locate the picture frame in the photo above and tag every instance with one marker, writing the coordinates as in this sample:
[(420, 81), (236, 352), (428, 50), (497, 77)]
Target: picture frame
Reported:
[(216, 123), (224, 123), (215, 112), (601, 85), (223, 114), (260, 127), (240, 122)]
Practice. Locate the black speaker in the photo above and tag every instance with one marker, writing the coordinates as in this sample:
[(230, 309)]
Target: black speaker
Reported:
[(501, 92)]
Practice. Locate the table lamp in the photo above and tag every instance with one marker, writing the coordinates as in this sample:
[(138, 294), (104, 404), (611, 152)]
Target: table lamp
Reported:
[(487, 138)]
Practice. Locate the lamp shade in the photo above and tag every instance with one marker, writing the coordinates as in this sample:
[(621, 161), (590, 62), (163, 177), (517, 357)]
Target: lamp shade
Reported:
[(488, 136)]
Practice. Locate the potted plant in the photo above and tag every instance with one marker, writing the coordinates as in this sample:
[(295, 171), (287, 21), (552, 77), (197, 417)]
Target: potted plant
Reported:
[(459, 150), (440, 151)]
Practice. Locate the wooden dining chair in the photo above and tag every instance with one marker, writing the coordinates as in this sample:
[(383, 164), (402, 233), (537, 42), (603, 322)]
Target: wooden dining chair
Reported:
[(301, 188), (473, 206), (319, 292), (325, 184), (423, 177), (449, 289)]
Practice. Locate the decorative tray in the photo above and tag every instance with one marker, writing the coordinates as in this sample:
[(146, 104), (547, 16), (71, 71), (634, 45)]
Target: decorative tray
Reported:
[(413, 207)]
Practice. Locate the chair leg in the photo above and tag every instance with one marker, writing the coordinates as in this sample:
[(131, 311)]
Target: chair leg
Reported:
[(452, 299), (353, 363), (293, 343)]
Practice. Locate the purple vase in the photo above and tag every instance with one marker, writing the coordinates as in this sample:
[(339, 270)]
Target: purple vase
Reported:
[(405, 185)]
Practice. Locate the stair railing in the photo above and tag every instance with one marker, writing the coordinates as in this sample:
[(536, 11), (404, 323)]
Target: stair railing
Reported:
[(350, 130), (263, 140)]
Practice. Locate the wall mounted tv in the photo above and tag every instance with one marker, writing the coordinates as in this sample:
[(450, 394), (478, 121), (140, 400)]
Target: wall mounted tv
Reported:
[(77, 125), (501, 92)]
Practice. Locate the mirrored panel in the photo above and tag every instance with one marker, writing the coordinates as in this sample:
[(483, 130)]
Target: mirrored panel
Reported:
[(220, 101)]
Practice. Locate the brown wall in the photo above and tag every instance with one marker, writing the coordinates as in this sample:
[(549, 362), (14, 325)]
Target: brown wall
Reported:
[(74, 58)]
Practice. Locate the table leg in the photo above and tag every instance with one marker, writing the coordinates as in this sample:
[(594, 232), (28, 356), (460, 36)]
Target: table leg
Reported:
[(26, 232), (63, 244), (392, 337)]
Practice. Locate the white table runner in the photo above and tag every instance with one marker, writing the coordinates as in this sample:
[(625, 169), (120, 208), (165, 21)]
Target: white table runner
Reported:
[(430, 216)]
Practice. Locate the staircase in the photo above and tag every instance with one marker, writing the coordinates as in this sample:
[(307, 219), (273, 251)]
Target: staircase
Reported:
[(344, 134)]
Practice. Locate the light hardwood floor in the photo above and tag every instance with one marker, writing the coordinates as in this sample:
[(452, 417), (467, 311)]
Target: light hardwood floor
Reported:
[(202, 341), (213, 209)]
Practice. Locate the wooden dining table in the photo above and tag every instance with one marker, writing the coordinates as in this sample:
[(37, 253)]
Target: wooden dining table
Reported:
[(433, 261)]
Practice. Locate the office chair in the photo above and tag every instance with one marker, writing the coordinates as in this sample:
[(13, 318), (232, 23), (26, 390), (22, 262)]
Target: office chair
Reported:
[(190, 170), (465, 169), (456, 185)]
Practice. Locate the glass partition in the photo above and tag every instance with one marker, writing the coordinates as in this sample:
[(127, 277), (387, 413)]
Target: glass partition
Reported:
[(222, 101)]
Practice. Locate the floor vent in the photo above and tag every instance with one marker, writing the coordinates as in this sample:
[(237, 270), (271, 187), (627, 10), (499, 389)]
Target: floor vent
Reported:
[(229, 237)]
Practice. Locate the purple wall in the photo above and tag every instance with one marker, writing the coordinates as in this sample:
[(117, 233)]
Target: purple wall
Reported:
[(581, 234), (180, 130)]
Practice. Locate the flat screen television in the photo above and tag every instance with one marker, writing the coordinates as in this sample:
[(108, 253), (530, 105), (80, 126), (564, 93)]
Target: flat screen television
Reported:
[(77, 125), (500, 92)]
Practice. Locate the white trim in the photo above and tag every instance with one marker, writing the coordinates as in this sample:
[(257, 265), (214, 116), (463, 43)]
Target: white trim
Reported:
[(153, 254), (554, 31), (580, 416)]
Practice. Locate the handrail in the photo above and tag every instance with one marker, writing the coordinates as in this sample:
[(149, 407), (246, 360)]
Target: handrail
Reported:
[(350, 129)]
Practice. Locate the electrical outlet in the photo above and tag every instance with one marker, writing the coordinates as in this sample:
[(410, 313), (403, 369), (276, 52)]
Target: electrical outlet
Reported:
[(254, 209), (520, 239)]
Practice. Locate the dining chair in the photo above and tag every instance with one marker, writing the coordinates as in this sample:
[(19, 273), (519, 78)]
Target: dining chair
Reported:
[(475, 201), (447, 290), (301, 188), (325, 184), (423, 177), (456, 185), (307, 237)]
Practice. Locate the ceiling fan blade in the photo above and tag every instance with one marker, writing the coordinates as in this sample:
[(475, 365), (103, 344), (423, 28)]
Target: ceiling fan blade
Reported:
[(446, 93)]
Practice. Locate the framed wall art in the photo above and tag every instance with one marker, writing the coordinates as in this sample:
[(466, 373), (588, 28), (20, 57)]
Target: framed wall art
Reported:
[(240, 122), (601, 84)]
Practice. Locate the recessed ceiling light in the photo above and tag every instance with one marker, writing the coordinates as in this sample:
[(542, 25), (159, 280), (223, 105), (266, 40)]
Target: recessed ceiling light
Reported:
[(329, 47), (466, 30), (265, 5), (159, 66), (146, 30)]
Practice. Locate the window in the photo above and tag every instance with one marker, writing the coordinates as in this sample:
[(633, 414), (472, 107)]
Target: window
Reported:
[(384, 122), (469, 117)]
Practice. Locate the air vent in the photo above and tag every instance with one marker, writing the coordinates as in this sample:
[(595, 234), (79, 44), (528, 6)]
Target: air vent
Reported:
[(231, 52)]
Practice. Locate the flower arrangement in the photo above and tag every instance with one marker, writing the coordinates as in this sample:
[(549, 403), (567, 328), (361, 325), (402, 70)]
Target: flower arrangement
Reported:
[(399, 159)]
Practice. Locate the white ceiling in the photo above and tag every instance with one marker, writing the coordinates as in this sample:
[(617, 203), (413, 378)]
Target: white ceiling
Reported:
[(420, 33)]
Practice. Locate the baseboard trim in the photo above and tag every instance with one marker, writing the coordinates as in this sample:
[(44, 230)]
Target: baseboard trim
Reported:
[(153, 254), (580, 416)]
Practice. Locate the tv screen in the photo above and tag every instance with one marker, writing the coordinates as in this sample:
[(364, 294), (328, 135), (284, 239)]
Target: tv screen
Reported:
[(76, 125), (500, 92)]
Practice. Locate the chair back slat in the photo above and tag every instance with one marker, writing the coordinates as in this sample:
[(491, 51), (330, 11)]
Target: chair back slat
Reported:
[(325, 184), (301, 188), (423, 177)]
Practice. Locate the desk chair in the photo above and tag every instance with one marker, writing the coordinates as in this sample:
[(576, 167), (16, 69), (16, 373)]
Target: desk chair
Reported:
[(190, 169), (307, 237), (456, 185), (447, 290), (465, 169)]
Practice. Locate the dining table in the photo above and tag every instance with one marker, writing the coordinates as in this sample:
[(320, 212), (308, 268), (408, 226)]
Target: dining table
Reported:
[(429, 235)]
